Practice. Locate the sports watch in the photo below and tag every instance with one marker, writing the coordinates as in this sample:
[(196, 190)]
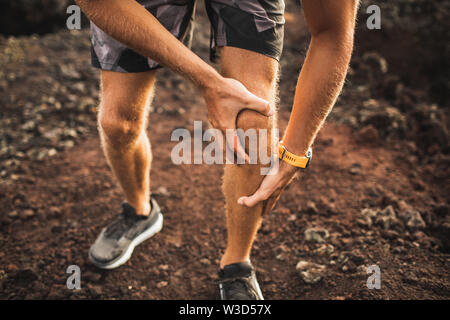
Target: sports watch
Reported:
[(292, 159)]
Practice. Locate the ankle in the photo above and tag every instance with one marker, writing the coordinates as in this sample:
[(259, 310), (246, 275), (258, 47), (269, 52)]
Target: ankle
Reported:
[(228, 259), (141, 209)]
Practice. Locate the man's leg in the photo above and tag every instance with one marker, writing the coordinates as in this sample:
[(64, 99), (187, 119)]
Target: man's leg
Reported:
[(125, 100), (259, 74)]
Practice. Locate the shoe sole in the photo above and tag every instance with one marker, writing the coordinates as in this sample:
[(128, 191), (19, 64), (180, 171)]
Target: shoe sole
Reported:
[(150, 232), (258, 289)]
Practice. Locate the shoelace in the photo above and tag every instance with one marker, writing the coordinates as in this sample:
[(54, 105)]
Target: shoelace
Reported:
[(238, 289), (123, 222)]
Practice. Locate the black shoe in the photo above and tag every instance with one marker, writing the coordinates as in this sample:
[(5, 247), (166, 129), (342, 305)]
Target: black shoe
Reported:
[(237, 281), (116, 242)]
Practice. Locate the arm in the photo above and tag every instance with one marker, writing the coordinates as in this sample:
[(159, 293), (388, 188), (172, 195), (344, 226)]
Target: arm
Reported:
[(332, 25), (130, 23)]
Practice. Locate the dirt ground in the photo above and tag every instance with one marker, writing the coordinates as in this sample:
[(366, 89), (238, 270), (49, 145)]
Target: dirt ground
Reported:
[(54, 203)]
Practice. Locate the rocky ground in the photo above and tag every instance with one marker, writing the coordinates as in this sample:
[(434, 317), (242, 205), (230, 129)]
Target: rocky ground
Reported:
[(382, 200)]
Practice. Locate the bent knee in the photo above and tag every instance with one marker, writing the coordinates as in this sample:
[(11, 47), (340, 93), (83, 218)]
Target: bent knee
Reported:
[(120, 131), (249, 119)]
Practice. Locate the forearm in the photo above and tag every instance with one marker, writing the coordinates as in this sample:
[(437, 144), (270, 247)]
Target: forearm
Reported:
[(319, 84), (131, 24)]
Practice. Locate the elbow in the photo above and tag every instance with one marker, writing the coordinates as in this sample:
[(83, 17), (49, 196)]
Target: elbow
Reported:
[(340, 38)]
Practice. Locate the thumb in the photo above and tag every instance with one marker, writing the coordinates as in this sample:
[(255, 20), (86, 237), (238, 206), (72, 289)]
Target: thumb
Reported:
[(250, 201), (258, 104)]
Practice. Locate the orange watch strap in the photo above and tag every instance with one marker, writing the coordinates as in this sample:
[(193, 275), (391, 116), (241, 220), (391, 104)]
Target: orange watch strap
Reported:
[(292, 159)]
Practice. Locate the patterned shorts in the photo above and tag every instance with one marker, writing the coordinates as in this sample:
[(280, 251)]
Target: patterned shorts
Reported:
[(255, 25)]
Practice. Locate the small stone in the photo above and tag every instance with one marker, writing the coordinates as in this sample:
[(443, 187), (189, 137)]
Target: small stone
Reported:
[(362, 269), (415, 221), (349, 267), (52, 152), (368, 134), (13, 214), (364, 222), (282, 210), (162, 191), (311, 207), (389, 234), (280, 257), (355, 169), (54, 210), (316, 234), (69, 72), (205, 261), (387, 218), (324, 249), (68, 144), (410, 216), (27, 213), (343, 258), (161, 284), (42, 154), (369, 213), (310, 272), (178, 273), (420, 236), (398, 250), (53, 134)]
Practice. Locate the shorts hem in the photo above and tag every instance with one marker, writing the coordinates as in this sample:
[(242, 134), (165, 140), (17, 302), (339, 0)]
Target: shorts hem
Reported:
[(106, 66), (272, 53)]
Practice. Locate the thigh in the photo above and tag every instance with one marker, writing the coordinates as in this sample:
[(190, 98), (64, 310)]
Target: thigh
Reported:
[(126, 96), (109, 54), (259, 74), (256, 25)]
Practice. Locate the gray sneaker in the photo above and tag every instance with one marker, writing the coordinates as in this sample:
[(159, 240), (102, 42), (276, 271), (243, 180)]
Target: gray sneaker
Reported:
[(237, 281), (116, 242)]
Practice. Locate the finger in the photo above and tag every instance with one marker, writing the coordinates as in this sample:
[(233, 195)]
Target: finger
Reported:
[(262, 106), (234, 143), (227, 150), (260, 195), (250, 201), (267, 188), (240, 151)]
